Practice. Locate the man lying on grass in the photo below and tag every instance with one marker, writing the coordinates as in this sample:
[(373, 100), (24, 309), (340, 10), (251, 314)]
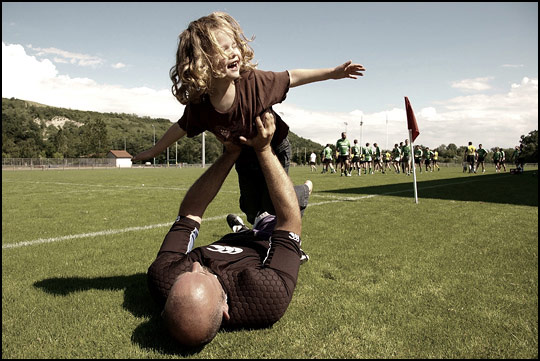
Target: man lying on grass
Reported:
[(244, 280)]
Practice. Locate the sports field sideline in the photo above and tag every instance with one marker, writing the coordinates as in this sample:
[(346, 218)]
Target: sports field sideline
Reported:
[(454, 276)]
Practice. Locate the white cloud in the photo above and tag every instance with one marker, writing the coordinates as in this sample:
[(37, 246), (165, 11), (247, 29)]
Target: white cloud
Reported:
[(476, 84), (21, 72), (63, 56), (25, 77), (493, 120), (118, 65)]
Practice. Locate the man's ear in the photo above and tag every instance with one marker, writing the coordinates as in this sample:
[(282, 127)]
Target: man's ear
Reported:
[(226, 312)]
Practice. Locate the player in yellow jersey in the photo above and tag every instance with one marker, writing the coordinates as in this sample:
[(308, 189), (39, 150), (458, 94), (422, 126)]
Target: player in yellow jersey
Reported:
[(436, 159), (471, 154)]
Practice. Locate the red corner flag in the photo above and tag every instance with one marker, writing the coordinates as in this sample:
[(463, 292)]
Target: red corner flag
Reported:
[(411, 120)]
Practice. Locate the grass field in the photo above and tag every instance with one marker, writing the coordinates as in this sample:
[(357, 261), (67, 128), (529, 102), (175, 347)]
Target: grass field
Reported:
[(454, 276)]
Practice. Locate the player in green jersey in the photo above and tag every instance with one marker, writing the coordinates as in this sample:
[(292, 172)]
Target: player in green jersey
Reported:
[(396, 157), (497, 160), (502, 160), (406, 157), (343, 151), (355, 161), (480, 158), (368, 158), (520, 160), (428, 155), (418, 157), (327, 159), (377, 158)]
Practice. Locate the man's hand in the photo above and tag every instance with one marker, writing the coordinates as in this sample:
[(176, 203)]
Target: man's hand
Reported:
[(230, 147), (265, 132)]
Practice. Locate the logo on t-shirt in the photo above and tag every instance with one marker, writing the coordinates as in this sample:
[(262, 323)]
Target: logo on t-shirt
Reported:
[(223, 132), (294, 237), (224, 249)]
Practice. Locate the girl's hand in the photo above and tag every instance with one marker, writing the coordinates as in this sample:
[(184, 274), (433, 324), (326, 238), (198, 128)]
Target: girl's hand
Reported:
[(147, 154), (348, 70)]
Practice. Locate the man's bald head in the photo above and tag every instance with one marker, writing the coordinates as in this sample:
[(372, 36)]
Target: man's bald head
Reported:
[(195, 307)]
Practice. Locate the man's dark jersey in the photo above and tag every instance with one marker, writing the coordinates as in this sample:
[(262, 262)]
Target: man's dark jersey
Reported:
[(258, 276)]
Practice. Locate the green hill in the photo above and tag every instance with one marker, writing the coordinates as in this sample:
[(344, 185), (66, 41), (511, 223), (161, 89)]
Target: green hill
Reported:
[(32, 130)]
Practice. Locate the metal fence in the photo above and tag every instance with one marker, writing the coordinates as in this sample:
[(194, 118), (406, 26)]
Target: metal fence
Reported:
[(55, 163), (78, 163)]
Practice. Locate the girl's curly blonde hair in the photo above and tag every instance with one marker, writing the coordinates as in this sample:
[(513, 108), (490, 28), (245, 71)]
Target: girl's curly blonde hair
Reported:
[(195, 64)]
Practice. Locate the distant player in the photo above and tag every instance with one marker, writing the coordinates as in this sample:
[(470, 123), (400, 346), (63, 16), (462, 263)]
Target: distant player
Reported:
[(343, 151), (502, 160), (471, 152), (327, 159), (406, 157), (368, 159), (520, 162), (355, 161), (313, 161), (377, 158), (436, 159), (497, 160), (480, 158), (418, 157), (387, 158), (396, 157), (519, 158), (428, 154)]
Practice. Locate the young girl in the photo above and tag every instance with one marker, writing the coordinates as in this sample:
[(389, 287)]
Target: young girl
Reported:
[(223, 92)]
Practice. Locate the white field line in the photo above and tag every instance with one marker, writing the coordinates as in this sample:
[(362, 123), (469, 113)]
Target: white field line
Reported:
[(333, 199), (96, 234), (106, 187)]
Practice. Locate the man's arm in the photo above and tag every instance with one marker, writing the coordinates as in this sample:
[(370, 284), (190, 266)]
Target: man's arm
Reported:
[(306, 76), (279, 184), (275, 280), (203, 191), (181, 237)]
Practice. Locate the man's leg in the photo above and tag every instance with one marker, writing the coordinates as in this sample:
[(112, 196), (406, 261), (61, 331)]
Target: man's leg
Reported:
[(302, 195), (264, 223)]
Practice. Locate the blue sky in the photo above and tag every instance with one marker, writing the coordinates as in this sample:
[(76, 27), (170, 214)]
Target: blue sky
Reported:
[(470, 70)]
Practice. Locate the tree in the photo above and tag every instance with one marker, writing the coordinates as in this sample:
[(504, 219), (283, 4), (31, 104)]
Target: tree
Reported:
[(530, 146), (452, 152), (95, 137), (60, 143)]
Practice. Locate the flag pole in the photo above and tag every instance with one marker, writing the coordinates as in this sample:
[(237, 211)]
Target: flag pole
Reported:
[(413, 133), (413, 166)]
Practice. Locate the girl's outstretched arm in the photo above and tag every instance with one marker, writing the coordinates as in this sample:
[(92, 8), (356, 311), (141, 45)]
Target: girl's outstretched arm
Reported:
[(172, 134), (306, 76)]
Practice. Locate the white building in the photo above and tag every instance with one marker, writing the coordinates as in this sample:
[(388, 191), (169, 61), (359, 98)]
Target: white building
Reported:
[(122, 158)]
